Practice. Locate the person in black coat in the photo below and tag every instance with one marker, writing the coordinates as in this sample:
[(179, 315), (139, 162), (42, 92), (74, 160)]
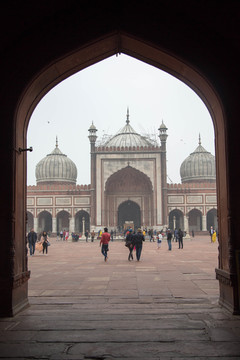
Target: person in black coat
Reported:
[(130, 244), (138, 242), (169, 239), (32, 238), (180, 239)]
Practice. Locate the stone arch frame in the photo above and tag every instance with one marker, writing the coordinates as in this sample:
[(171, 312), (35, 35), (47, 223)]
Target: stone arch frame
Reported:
[(138, 172), (111, 197), (89, 54)]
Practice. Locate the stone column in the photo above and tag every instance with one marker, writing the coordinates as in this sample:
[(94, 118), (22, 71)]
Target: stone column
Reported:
[(204, 223), (71, 225), (54, 225), (35, 224), (174, 222), (186, 226), (83, 226)]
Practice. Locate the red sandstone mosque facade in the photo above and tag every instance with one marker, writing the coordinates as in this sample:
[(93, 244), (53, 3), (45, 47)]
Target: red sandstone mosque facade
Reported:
[(128, 186)]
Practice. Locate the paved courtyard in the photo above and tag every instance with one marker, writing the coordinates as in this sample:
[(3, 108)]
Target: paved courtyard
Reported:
[(163, 307)]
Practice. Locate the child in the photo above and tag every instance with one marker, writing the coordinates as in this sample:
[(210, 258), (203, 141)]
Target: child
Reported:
[(159, 240)]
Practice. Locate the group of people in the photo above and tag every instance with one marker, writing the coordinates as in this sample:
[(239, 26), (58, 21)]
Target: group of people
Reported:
[(33, 242), (178, 235), (133, 241)]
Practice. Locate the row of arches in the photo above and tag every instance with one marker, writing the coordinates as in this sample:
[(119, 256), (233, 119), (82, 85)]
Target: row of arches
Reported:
[(196, 220), (128, 211), (44, 222)]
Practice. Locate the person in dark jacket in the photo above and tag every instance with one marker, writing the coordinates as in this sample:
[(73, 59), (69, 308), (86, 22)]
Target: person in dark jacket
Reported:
[(169, 239), (180, 239), (138, 242), (130, 244), (32, 238)]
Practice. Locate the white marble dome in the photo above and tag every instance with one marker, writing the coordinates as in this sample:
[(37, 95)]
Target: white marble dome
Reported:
[(127, 137), (199, 166), (56, 168)]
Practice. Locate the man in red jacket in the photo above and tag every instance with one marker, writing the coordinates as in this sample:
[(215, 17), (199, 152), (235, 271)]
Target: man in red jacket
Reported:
[(104, 242)]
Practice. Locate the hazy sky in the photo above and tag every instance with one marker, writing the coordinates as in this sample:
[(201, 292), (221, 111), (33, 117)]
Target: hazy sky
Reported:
[(101, 94)]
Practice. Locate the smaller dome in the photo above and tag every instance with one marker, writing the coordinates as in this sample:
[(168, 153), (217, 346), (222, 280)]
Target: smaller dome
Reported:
[(162, 126), (56, 168), (92, 127), (199, 166)]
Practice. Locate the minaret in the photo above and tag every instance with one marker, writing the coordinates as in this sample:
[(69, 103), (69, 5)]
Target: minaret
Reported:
[(163, 138), (92, 138)]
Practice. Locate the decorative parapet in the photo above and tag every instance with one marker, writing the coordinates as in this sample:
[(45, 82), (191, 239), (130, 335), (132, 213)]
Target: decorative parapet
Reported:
[(190, 186), (58, 187), (127, 148)]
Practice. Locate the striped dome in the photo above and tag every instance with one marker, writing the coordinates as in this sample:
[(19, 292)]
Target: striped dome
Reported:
[(56, 167), (199, 166)]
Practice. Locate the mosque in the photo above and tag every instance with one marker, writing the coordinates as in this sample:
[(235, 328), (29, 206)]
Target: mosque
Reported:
[(128, 187)]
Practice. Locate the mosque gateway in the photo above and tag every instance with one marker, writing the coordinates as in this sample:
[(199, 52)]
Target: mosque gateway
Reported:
[(128, 187)]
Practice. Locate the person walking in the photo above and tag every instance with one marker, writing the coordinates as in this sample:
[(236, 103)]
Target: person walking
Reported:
[(180, 239), (45, 242), (130, 244), (169, 239), (111, 235), (105, 238), (86, 235), (32, 238), (159, 240), (92, 235), (214, 236), (138, 242)]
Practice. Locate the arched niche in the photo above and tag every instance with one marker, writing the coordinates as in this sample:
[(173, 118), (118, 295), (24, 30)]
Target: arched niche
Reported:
[(63, 221), (44, 222), (195, 220), (176, 219), (82, 222)]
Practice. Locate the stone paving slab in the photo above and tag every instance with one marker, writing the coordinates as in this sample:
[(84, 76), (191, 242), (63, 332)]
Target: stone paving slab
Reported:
[(165, 307)]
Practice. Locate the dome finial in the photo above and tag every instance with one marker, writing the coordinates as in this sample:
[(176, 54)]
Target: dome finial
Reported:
[(127, 121), (199, 140), (56, 141)]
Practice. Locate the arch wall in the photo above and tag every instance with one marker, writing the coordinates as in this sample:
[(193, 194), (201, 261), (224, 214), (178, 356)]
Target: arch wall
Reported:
[(88, 54)]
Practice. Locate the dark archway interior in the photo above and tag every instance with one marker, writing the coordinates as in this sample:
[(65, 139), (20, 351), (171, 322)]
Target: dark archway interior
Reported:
[(212, 219), (82, 217), (195, 220), (178, 219), (62, 221), (129, 211), (45, 221)]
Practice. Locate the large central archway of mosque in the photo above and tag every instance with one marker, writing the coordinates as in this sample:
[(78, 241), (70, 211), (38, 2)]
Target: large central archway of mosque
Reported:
[(129, 214)]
